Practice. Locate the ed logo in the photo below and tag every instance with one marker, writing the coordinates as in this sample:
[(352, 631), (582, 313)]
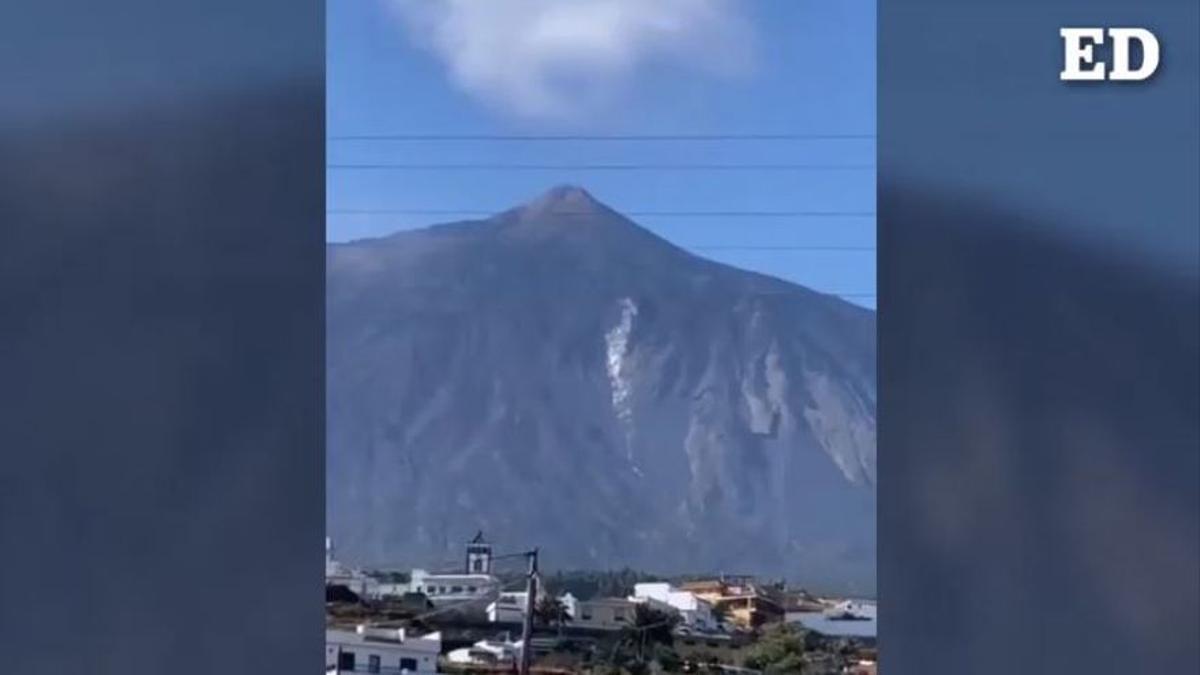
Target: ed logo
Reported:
[(1080, 62)]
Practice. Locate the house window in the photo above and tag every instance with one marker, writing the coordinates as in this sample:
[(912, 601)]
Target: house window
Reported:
[(456, 589), (346, 661), (471, 589), (408, 665), (373, 663)]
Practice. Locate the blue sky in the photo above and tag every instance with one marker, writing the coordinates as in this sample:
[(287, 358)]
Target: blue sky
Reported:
[(617, 67)]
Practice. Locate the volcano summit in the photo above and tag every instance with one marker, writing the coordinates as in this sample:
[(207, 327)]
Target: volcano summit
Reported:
[(559, 376)]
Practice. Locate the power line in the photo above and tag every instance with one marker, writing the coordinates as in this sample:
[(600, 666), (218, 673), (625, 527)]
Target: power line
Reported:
[(782, 247), (837, 294), (598, 137), (762, 214), (602, 167)]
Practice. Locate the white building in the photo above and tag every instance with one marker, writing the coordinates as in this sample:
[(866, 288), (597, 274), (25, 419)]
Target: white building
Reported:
[(487, 653), (380, 650), (600, 613), (479, 555), (852, 608), (508, 608), (695, 611), (474, 583), (443, 589), (383, 589)]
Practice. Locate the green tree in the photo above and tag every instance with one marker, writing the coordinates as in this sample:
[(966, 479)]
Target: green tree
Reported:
[(589, 584), (780, 650), (658, 625), (650, 635), (652, 627), (667, 659), (550, 611)]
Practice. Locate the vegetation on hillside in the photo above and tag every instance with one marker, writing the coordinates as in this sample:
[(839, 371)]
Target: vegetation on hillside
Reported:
[(589, 584)]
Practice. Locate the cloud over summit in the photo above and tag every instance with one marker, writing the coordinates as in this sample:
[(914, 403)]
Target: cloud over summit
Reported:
[(558, 59)]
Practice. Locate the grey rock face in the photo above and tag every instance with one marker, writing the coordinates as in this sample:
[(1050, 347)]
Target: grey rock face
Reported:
[(558, 376)]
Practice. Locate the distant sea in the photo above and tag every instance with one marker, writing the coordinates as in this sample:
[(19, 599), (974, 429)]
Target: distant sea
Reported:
[(818, 622)]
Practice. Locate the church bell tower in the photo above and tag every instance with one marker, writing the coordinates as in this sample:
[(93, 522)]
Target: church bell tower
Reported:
[(479, 555)]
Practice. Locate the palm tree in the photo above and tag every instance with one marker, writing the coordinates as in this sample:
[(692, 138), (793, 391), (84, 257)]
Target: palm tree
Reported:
[(550, 611), (653, 626)]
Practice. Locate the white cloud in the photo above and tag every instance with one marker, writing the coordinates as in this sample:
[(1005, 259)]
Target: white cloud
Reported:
[(548, 59)]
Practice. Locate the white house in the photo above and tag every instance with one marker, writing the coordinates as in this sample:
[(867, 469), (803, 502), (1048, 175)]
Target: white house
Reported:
[(508, 608), (380, 650), (487, 653), (695, 611), (600, 613)]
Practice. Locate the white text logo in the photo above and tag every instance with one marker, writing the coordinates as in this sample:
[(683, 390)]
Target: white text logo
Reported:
[(1081, 64)]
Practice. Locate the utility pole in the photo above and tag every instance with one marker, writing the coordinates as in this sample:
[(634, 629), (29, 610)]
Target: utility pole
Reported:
[(527, 629)]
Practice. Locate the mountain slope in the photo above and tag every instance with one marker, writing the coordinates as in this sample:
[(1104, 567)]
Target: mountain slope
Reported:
[(558, 376)]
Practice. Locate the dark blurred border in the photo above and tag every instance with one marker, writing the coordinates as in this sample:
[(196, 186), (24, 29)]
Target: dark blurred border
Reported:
[(161, 336), (1039, 468)]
